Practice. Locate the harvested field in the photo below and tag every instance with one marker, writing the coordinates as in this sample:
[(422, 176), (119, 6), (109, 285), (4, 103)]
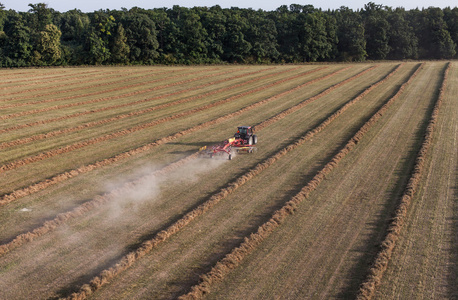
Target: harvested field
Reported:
[(104, 196)]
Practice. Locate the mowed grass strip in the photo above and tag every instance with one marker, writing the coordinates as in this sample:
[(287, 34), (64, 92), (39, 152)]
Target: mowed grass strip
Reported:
[(72, 147), (383, 257), (85, 89), (6, 198), (57, 245), (424, 263), (126, 115), (78, 211), (117, 106), (233, 259), (324, 250), (14, 80), (75, 79), (163, 140), (104, 99), (128, 260)]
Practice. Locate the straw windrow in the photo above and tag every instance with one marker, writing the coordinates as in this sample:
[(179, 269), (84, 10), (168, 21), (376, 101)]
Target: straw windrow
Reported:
[(251, 242), (375, 274), (238, 254)]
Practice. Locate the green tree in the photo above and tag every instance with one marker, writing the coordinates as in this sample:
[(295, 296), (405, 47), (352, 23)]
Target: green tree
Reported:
[(17, 44), (48, 45), (305, 33), (403, 42), (262, 35), (162, 21), (98, 50), (434, 40), (316, 41), (376, 30), (100, 36), (2, 16), (2, 33), (120, 49), (235, 45), (74, 26), (193, 36), (214, 22), (40, 16), (440, 44), (451, 19), (350, 33), (141, 36), (287, 37)]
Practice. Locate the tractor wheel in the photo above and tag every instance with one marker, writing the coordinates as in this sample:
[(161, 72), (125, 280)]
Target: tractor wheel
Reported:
[(250, 140), (255, 139)]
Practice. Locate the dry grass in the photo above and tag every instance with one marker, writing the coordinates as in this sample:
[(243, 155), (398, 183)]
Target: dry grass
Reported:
[(382, 259), (292, 106), (237, 255), (70, 174)]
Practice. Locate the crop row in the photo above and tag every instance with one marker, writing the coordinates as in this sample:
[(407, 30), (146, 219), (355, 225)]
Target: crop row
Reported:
[(78, 211), (127, 115), (79, 145), (98, 92), (104, 99), (147, 246), (41, 77), (394, 230), (84, 169), (238, 254), (74, 79), (106, 108)]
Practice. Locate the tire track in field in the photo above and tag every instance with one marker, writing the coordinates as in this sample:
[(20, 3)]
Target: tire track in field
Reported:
[(66, 149), (140, 112), (75, 80), (78, 114), (106, 275), (46, 109), (128, 187), (383, 257), (234, 258), (7, 198)]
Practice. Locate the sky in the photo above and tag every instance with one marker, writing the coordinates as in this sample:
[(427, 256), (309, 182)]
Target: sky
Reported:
[(270, 5)]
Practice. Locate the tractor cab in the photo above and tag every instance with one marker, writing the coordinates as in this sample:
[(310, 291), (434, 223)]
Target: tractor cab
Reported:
[(246, 133), (243, 131)]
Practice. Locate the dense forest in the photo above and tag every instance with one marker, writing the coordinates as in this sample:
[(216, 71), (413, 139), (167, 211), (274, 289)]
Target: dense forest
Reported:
[(206, 35)]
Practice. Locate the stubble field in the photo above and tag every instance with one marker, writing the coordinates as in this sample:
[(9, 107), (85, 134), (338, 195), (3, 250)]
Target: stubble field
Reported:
[(352, 192)]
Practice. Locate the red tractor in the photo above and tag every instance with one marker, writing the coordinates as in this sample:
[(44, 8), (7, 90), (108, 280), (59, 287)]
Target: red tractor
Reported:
[(243, 141)]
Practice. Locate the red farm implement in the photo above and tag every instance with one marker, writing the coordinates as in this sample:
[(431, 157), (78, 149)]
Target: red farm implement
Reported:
[(242, 142)]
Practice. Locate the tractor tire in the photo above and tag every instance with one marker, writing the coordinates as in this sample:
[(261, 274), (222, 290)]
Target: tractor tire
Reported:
[(250, 140), (255, 139)]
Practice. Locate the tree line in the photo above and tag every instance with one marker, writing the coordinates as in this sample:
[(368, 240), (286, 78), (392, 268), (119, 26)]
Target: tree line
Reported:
[(206, 35)]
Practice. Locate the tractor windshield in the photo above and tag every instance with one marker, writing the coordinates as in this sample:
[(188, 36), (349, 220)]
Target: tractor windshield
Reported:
[(243, 130)]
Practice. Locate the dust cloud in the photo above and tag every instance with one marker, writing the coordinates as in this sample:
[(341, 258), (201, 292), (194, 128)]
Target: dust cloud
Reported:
[(128, 197)]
